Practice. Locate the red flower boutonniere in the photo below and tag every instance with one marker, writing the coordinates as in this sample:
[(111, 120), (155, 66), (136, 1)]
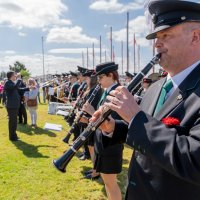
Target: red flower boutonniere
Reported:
[(171, 121)]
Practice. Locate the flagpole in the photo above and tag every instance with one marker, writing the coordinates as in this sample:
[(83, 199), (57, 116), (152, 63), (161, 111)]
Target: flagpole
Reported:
[(138, 58), (83, 64), (87, 57), (134, 44), (122, 57), (127, 36), (93, 54), (111, 42), (43, 59), (113, 54), (100, 47)]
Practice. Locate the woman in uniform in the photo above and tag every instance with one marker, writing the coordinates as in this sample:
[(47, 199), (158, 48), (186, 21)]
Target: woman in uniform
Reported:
[(107, 161)]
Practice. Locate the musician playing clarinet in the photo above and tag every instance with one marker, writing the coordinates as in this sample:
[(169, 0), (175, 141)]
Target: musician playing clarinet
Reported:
[(107, 161), (164, 130)]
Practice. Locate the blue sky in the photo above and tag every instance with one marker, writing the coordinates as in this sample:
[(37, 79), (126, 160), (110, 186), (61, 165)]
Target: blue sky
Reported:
[(68, 28)]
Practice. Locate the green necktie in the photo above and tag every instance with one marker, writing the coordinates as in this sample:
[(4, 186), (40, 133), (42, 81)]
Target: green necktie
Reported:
[(103, 96), (165, 89)]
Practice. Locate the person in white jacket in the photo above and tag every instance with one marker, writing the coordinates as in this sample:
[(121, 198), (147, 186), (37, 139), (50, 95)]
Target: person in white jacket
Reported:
[(31, 96)]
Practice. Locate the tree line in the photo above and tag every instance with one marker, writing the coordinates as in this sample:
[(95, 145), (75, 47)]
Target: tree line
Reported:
[(18, 68)]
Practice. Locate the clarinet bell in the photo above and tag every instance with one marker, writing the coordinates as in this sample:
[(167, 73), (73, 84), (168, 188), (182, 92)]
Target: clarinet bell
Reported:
[(58, 166), (66, 139)]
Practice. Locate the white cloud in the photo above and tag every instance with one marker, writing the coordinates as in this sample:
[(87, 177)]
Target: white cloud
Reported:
[(113, 6), (32, 14), (22, 34), (75, 50), (69, 35), (8, 52), (34, 63), (137, 26)]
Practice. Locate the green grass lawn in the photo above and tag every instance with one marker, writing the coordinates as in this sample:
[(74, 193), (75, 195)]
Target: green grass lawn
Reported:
[(26, 171)]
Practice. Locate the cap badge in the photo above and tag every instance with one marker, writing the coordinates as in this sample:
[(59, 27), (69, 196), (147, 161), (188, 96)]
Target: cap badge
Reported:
[(183, 18), (179, 97), (154, 18)]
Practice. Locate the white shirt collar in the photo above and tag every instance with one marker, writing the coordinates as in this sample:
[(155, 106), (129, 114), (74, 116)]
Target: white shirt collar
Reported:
[(109, 88), (178, 78)]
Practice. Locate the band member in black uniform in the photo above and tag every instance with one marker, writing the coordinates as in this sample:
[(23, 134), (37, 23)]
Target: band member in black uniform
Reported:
[(165, 129), (77, 88), (107, 161), (146, 82), (129, 77), (22, 114), (81, 78), (73, 93), (91, 80)]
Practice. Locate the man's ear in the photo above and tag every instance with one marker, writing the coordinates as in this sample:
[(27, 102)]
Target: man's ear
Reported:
[(196, 37)]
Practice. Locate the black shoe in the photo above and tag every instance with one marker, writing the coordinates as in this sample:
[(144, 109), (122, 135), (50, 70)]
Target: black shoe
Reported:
[(88, 172), (84, 157), (82, 154), (89, 176), (16, 139)]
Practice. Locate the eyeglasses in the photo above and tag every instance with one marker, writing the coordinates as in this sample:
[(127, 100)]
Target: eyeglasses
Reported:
[(100, 76)]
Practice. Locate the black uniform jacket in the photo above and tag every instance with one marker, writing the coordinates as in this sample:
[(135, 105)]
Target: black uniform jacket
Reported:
[(166, 161), (12, 91), (73, 94)]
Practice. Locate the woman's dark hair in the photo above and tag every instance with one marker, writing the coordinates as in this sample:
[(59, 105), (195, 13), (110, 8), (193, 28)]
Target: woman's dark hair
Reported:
[(93, 81), (10, 74), (115, 76)]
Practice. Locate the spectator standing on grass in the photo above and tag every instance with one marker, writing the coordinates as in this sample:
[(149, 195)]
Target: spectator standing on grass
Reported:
[(31, 100), (1, 91)]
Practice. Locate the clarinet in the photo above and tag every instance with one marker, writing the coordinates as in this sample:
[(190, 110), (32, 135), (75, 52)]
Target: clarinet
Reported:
[(63, 161), (72, 113), (91, 98)]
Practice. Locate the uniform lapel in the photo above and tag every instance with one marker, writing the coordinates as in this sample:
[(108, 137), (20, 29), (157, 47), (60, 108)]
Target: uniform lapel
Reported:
[(181, 93), (172, 102)]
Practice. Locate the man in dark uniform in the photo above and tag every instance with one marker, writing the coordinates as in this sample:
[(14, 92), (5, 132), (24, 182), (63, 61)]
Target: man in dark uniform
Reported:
[(12, 103), (74, 88), (22, 114), (165, 130), (81, 78)]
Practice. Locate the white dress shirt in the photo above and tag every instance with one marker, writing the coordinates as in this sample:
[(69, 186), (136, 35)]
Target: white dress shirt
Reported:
[(178, 78)]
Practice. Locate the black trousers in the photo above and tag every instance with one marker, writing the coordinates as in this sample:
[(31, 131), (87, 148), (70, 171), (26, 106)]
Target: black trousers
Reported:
[(22, 114), (12, 122), (1, 97)]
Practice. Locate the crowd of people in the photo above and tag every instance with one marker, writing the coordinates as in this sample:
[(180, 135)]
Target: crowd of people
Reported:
[(17, 96), (160, 119)]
